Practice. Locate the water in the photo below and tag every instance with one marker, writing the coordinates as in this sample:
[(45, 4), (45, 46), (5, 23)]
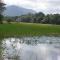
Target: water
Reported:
[(31, 48)]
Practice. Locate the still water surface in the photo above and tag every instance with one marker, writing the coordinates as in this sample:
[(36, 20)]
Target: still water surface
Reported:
[(31, 48)]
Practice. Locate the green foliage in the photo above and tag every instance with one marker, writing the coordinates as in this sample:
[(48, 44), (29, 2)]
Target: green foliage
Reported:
[(37, 18), (2, 8), (28, 29), (1, 17), (9, 20), (27, 18)]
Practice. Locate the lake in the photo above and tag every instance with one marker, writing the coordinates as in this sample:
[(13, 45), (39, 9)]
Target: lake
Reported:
[(30, 48)]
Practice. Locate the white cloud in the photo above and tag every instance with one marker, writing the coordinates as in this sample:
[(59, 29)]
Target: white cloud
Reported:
[(38, 5)]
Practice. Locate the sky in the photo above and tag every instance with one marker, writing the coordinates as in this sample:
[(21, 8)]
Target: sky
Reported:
[(46, 6)]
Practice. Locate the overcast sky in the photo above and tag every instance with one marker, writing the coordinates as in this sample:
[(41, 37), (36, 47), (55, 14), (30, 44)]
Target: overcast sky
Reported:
[(46, 6)]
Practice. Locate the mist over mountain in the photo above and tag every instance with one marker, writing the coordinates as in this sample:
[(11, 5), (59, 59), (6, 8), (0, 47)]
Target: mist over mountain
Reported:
[(17, 11)]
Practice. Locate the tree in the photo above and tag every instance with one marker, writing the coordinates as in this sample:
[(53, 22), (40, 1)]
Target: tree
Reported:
[(2, 8), (47, 19), (56, 19), (39, 16)]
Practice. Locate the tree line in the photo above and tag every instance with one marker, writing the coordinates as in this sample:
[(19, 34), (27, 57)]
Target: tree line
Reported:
[(36, 18), (39, 17)]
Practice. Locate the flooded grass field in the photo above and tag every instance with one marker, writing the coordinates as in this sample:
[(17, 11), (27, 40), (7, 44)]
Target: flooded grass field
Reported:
[(29, 29), (30, 48)]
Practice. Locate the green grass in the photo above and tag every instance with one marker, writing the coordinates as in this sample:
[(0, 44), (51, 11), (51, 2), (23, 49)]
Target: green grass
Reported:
[(28, 29)]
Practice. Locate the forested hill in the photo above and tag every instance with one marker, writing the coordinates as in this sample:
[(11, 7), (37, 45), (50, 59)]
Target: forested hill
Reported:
[(17, 11)]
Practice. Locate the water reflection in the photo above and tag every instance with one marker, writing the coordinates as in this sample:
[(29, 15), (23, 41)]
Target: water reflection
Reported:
[(31, 48)]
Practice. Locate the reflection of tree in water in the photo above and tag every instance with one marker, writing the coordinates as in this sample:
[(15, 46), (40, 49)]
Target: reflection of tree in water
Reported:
[(30, 52), (10, 49), (1, 50)]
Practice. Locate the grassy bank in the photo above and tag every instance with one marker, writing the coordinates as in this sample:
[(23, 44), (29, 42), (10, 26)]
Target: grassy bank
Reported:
[(28, 29)]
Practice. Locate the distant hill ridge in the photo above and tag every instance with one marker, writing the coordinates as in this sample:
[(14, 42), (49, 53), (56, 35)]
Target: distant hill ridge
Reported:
[(17, 11)]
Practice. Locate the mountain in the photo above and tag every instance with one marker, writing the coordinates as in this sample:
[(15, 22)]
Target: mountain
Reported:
[(17, 11)]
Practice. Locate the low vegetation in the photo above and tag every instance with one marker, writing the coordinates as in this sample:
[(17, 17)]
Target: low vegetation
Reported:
[(28, 29)]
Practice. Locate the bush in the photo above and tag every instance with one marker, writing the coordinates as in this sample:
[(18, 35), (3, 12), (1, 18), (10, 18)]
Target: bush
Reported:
[(1, 17)]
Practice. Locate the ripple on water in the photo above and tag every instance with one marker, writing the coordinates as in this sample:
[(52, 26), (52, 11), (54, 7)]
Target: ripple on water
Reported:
[(31, 48)]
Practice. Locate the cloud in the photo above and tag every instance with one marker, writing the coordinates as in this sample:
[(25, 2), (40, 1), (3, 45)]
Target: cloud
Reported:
[(54, 3), (49, 6)]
